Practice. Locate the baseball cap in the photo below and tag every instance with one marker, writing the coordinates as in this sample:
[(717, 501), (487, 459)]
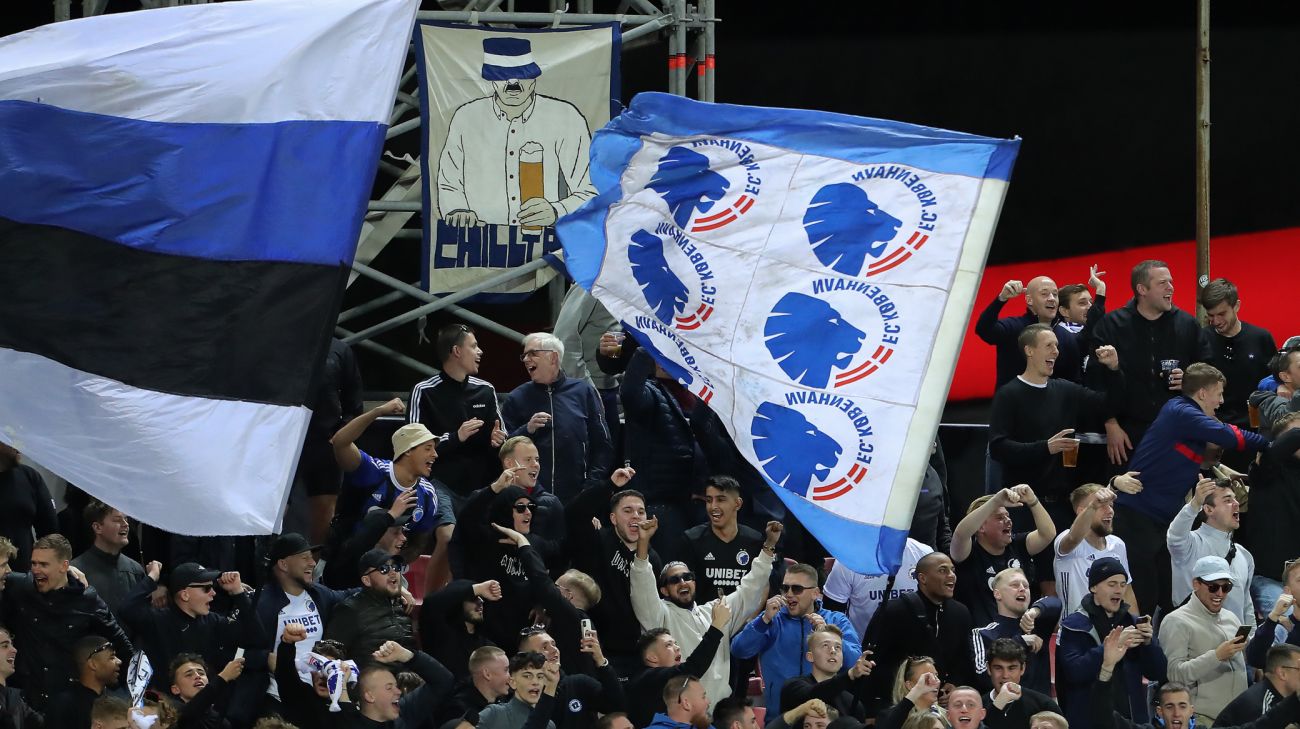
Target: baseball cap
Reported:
[(410, 436), (1104, 569), (1209, 569), (374, 559), (289, 544), (190, 573)]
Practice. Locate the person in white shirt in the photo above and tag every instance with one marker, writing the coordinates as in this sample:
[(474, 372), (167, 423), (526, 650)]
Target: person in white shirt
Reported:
[(1088, 540), (1217, 503), (859, 596)]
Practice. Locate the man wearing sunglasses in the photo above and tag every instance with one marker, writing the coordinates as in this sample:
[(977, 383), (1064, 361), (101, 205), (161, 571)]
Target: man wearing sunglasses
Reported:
[(673, 605), (1201, 641), (376, 615), (188, 624), (97, 670)]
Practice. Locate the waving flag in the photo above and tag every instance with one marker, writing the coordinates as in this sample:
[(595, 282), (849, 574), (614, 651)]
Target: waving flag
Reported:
[(181, 192), (809, 275)]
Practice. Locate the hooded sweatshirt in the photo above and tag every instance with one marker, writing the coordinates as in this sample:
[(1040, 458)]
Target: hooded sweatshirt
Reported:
[(486, 558)]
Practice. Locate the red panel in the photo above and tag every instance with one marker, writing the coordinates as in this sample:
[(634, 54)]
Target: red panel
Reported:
[(1253, 261)]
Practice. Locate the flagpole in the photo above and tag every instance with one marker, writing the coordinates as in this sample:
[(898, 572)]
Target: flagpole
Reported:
[(1202, 151)]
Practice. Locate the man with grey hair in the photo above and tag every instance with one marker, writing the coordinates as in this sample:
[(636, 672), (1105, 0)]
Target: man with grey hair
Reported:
[(564, 418)]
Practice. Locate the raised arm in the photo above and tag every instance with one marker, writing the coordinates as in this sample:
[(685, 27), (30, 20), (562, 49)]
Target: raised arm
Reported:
[(648, 608), (971, 523), (346, 452), (1082, 523)]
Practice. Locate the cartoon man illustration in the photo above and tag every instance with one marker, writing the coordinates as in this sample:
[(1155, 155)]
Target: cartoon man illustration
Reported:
[(516, 157)]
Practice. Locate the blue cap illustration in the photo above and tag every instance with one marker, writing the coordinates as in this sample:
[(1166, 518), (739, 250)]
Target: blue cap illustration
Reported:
[(507, 58)]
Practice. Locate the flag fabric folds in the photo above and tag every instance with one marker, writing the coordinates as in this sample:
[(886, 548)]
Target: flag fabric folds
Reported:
[(181, 192), (809, 276)]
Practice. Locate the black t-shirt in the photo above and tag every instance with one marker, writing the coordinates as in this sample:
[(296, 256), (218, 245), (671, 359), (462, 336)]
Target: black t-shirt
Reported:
[(25, 504), (719, 564), (977, 571), (1243, 359)]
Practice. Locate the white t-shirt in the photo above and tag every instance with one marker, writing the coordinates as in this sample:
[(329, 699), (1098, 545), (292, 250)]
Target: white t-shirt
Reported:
[(863, 594), (1072, 568), (301, 610)]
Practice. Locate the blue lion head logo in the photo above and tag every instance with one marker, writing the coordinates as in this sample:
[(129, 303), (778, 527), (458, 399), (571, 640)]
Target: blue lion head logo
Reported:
[(807, 337), (844, 226), (685, 181), (664, 292), (792, 450)]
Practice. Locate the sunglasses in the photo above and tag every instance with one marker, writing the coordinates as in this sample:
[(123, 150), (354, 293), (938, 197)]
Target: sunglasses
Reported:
[(521, 508), (208, 587), (390, 567), (101, 649), (536, 629), (1217, 587), (795, 590), (680, 578)]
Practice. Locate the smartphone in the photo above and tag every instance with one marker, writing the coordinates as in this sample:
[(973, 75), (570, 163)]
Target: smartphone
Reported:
[(239, 653), (1143, 619), (1242, 632), (586, 627)]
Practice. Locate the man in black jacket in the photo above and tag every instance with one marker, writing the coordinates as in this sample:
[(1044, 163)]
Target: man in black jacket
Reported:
[(1010, 705), (662, 659), (489, 683), (455, 615), (379, 529), (14, 711), (1156, 343), (579, 699), (1281, 679), (188, 624), (97, 667), (48, 610), (376, 615), (380, 703), (337, 400), (203, 699), (846, 691)]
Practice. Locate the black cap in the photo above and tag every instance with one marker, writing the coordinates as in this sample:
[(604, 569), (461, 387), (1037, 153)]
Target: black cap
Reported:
[(403, 521), (287, 545), (190, 573), (1104, 569), (373, 560)]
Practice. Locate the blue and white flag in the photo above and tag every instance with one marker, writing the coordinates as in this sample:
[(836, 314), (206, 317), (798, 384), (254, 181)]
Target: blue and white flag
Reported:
[(181, 192), (807, 274)]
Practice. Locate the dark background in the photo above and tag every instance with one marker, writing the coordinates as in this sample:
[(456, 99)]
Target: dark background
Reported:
[(1102, 94)]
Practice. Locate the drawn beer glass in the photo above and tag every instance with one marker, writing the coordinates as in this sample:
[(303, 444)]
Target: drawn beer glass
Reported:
[(530, 176)]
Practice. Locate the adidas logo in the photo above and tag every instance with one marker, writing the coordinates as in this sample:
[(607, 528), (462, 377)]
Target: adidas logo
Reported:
[(709, 556)]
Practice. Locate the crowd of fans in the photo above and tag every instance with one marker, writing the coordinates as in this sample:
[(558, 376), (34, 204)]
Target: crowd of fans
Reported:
[(594, 551)]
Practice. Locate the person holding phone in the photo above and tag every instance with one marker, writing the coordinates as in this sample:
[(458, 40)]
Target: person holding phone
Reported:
[(1203, 642)]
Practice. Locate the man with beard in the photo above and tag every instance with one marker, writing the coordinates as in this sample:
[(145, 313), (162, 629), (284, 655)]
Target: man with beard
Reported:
[(97, 670), (1029, 626), (47, 611), (188, 624), (414, 453), (455, 615), (376, 615), (1079, 652), (845, 691), (928, 622), (203, 700), (1088, 539), (1216, 502), (673, 605), (661, 659), (1202, 643), (778, 635), (983, 546), (602, 541), (110, 572), (579, 699), (687, 705), (25, 506), (1238, 349)]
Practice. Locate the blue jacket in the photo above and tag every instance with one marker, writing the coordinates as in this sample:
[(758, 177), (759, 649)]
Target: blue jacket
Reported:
[(782, 646), (1169, 456), (1078, 661), (575, 448)]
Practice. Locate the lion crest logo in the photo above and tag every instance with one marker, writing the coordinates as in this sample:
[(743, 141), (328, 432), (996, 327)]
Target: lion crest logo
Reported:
[(664, 292), (808, 338), (844, 226), (791, 450), (685, 181)]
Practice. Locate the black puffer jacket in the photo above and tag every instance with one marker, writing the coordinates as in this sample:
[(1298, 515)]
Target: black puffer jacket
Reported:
[(45, 625), (659, 440), (366, 621)]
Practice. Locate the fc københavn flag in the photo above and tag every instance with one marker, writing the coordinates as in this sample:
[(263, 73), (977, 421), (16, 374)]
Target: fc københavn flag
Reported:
[(810, 276), (181, 192)]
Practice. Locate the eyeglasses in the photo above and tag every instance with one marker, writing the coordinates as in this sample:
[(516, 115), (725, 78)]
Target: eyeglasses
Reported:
[(207, 587), (1290, 668), (1217, 587), (521, 508), (679, 578), (100, 649), (533, 353), (795, 590)]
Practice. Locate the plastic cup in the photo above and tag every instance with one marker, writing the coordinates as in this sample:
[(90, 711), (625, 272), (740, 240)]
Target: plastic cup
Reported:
[(1253, 412), (618, 340), (1070, 456)]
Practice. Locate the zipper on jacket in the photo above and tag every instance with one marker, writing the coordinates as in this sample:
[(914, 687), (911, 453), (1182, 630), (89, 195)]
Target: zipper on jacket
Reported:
[(550, 401)]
